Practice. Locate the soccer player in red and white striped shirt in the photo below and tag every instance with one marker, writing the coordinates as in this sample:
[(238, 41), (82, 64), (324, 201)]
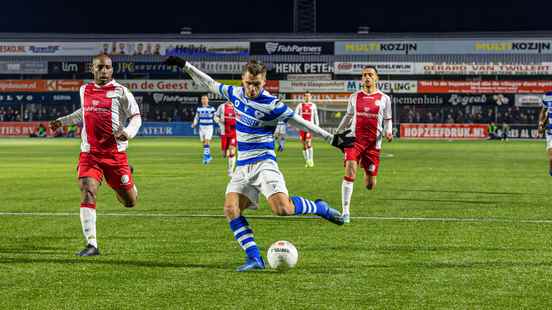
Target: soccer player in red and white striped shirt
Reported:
[(225, 116), (105, 108), (369, 116), (308, 111)]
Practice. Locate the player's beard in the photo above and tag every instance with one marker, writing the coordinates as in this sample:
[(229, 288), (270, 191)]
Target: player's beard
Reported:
[(103, 80), (369, 85)]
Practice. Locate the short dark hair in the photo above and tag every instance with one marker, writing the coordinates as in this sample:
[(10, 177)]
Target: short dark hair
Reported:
[(371, 67), (101, 55), (254, 68)]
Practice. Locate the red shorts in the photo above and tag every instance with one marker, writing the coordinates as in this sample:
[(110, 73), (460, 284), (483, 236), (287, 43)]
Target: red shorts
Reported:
[(226, 141), (366, 155), (304, 135), (114, 167)]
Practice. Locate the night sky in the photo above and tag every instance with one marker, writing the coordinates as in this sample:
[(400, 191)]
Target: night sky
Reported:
[(271, 16)]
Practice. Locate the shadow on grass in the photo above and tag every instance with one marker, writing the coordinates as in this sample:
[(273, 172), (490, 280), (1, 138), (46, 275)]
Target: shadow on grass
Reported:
[(443, 201), (347, 269), (360, 248), (463, 192), (101, 260)]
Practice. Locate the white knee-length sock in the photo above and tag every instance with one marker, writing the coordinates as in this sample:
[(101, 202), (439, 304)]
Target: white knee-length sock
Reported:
[(346, 194), (88, 222)]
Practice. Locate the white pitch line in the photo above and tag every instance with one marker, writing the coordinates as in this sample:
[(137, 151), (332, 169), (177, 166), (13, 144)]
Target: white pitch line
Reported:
[(368, 218)]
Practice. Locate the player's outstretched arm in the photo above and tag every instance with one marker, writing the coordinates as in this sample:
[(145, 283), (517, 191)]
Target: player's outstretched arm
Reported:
[(219, 118), (134, 118), (196, 74), (196, 120), (347, 120), (131, 130), (542, 121), (388, 120), (73, 118)]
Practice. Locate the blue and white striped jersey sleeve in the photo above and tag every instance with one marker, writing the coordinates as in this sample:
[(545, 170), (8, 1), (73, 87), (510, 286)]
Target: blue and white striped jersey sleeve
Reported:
[(226, 91), (547, 100), (281, 112)]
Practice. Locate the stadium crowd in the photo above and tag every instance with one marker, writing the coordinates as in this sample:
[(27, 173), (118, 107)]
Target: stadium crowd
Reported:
[(469, 115)]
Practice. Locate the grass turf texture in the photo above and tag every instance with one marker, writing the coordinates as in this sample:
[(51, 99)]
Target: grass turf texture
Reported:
[(178, 261)]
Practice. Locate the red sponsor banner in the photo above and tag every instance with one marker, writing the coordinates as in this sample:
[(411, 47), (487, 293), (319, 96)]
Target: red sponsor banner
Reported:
[(483, 69), (321, 96), (484, 87), (21, 129), (444, 131), (64, 85), (272, 86), (23, 86)]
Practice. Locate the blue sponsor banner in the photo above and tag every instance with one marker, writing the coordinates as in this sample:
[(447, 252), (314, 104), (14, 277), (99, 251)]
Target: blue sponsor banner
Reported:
[(158, 129), (154, 129), (167, 129), (8, 98), (42, 98), (68, 67), (64, 98), (123, 67)]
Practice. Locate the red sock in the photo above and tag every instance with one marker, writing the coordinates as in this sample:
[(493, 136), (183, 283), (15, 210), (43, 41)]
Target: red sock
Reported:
[(91, 205), (348, 179)]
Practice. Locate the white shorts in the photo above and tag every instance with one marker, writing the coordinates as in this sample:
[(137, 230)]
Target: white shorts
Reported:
[(280, 130), (548, 139), (205, 133), (261, 177)]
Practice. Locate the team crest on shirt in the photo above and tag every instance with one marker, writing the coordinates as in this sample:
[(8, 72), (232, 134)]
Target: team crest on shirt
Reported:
[(125, 179), (118, 92), (259, 114), (372, 168)]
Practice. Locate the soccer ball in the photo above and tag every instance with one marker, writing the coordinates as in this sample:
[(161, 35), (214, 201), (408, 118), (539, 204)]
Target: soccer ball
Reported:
[(282, 255)]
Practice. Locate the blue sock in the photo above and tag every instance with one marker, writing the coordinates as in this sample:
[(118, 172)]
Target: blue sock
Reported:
[(305, 206), (206, 150), (244, 236)]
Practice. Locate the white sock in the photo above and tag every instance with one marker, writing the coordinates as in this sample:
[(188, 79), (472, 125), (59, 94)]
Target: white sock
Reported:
[(305, 156), (346, 193), (88, 221), (231, 163), (311, 154)]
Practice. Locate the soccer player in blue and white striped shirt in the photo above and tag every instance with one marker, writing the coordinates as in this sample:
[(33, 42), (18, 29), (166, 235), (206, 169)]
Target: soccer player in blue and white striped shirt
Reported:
[(545, 126), (257, 114), (204, 119)]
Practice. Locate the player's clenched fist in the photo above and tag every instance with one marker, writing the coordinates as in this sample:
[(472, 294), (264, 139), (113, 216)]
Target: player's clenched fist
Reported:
[(121, 135), (175, 61), (343, 140)]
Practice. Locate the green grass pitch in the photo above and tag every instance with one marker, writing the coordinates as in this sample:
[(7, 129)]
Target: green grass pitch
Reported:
[(454, 225)]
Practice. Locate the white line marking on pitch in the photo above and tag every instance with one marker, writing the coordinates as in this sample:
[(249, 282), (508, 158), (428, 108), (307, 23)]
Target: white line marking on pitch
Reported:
[(369, 218)]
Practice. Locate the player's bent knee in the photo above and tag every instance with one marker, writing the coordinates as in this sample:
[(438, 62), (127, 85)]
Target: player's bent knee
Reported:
[(281, 205), (88, 194), (282, 210)]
